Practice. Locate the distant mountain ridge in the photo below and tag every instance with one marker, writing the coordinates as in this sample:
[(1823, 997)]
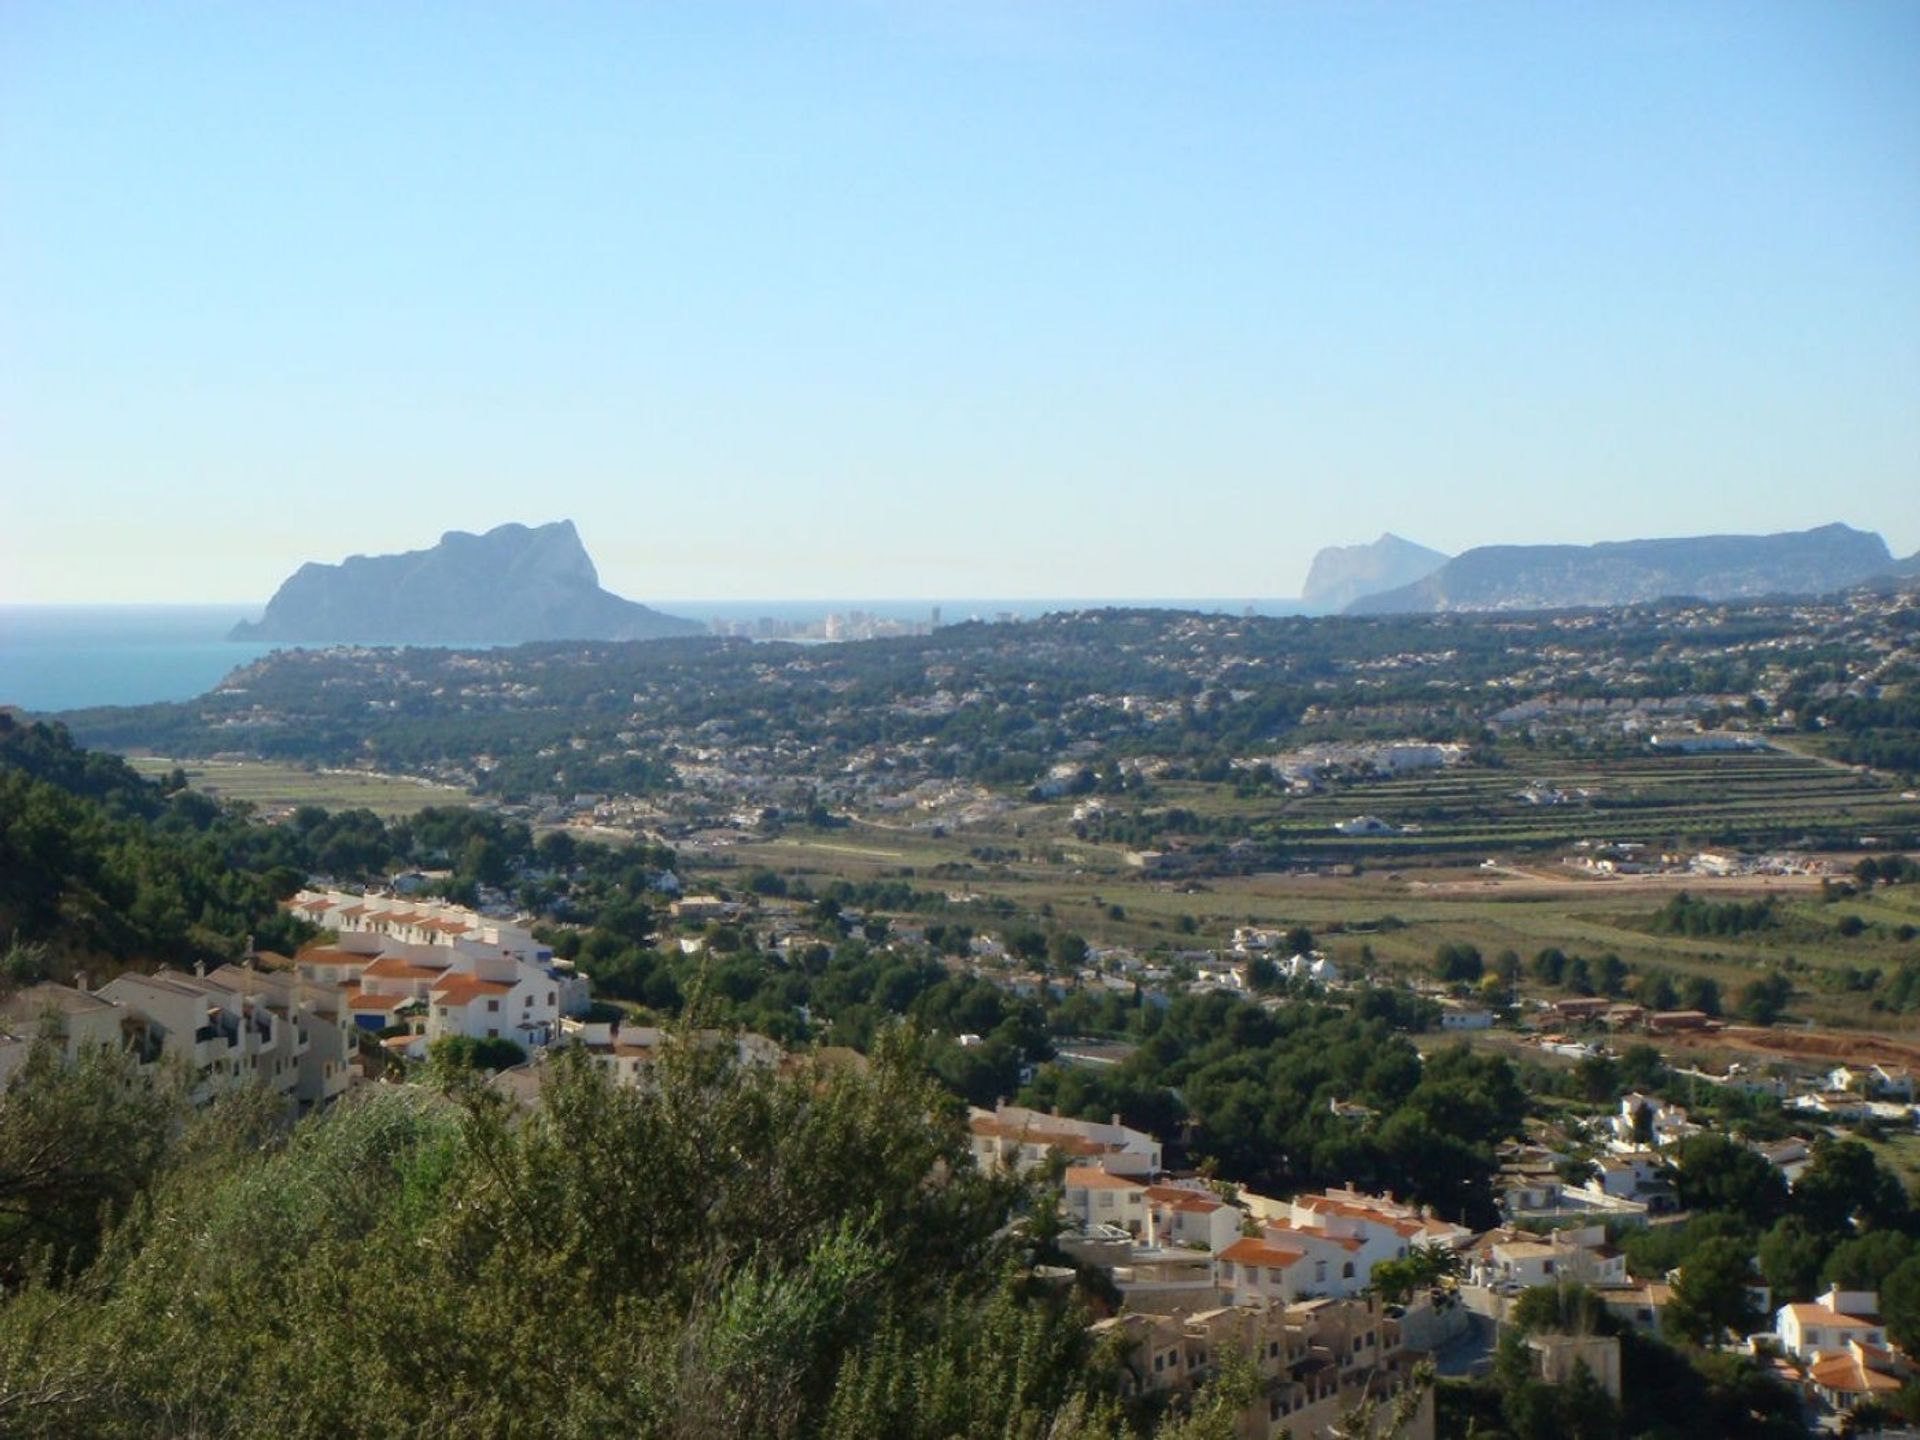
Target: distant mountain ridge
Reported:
[(1341, 574), (513, 584), (1710, 567)]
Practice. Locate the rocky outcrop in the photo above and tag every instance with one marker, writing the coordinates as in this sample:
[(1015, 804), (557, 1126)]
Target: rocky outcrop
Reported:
[(1709, 567), (513, 584), (1341, 574)]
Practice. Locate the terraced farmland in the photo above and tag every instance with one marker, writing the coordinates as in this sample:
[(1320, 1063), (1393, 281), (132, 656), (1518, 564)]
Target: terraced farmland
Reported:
[(1767, 799)]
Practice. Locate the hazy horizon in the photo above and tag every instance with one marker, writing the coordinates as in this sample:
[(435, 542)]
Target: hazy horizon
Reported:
[(919, 298)]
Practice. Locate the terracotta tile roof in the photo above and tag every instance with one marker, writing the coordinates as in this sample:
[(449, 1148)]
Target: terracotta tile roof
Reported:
[(377, 1002), (1072, 1144), (1808, 1313), (1249, 1251), (1173, 1197), (398, 967), (460, 989), (1345, 1242), (1844, 1371), (1400, 1224)]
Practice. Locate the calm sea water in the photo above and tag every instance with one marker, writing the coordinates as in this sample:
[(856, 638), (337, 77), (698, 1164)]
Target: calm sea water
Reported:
[(69, 657), (66, 657)]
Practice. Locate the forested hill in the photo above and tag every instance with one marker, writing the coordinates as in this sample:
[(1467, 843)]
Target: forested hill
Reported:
[(102, 870)]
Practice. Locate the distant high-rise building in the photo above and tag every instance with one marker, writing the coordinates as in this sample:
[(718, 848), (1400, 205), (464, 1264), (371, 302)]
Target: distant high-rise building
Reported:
[(936, 617)]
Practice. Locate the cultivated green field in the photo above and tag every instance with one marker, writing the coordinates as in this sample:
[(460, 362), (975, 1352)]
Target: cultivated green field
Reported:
[(1675, 800), (272, 787), (1397, 915)]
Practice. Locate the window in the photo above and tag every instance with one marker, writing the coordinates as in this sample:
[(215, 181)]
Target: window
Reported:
[(550, 999), (1320, 1271), (493, 1034), (1346, 1271)]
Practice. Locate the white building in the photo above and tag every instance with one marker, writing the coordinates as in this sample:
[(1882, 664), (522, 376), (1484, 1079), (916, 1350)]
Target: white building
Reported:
[(1014, 1137), (70, 1018), (1364, 825), (1192, 1216), (1091, 1197), (1825, 1326), (226, 1038)]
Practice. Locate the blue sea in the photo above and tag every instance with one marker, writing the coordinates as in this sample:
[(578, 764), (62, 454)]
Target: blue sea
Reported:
[(70, 657), (67, 657)]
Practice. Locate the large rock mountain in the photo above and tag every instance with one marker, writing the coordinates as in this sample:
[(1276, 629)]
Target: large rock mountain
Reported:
[(1341, 574), (514, 583), (1710, 567)]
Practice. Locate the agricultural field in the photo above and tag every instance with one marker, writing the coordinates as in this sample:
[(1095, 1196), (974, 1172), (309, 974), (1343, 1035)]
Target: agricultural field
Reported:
[(275, 788), (1759, 799), (1391, 920)]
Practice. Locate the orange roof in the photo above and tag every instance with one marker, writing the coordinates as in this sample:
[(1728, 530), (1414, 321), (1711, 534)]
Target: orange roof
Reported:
[(1808, 1313), (1029, 1135), (398, 967), (1094, 1179), (399, 917), (1176, 1198), (1345, 1242), (1400, 1225), (377, 1002), (1846, 1372), (1260, 1252), (459, 989), (353, 910)]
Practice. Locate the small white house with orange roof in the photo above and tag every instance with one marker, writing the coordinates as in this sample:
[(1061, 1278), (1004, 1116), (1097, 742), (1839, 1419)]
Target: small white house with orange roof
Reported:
[(1263, 1271), (1193, 1216), (1810, 1329), (1860, 1371)]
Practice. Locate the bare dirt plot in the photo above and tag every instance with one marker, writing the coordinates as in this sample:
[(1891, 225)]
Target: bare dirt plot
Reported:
[(1835, 1046)]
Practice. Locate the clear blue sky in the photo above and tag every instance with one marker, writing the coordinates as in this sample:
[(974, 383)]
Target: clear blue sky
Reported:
[(944, 299)]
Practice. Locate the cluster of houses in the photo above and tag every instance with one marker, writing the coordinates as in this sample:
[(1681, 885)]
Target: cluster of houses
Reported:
[(1632, 857), (1204, 1270), (408, 970)]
